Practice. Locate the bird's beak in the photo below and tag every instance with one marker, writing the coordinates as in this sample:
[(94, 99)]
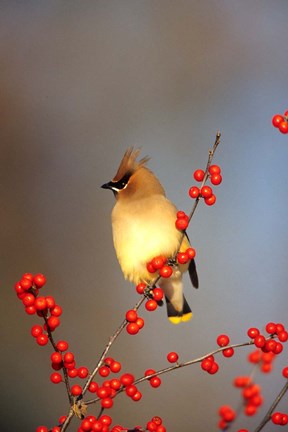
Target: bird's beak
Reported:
[(107, 185)]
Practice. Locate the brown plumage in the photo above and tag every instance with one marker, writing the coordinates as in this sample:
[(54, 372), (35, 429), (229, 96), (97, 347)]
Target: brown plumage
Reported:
[(143, 222)]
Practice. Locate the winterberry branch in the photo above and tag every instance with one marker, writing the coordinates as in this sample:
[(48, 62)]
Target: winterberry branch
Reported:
[(206, 175), (267, 417), (51, 339)]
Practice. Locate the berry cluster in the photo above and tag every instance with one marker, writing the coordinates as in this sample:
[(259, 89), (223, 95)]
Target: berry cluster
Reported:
[(268, 347), (280, 419), (27, 290), (135, 323), (281, 122), (271, 345), (251, 394), (206, 192), (209, 364)]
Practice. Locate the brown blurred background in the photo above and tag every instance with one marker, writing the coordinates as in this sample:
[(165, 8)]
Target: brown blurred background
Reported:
[(79, 83)]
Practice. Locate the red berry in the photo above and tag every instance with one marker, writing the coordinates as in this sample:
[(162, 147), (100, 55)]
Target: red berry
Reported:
[(285, 372), (127, 379), (214, 169), (103, 392), (30, 310), (42, 429), (53, 322), (191, 253), (115, 384), (194, 192), (132, 328), (278, 348), (56, 357), (181, 224), (270, 345), (137, 396), (149, 372), (259, 341), (199, 175), (158, 262), (277, 119), (158, 294), (214, 368), (28, 299), (131, 390), (55, 378), (166, 271), (276, 418), (72, 373), (69, 357), (131, 315), (93, 387), (105, 420), (206, 364), (115, 367), (76, 390), (56, 310), (140, 288), (104, 371), (279, 328), (62, 345), (18, 288), (27, 276), (206, 192), (216, 179), (211, 200), (36, 330), (150, 305), (172, 357), (253, 332), (155, 382), (241, 381), (40, 303), (82, 372), (25, 284), (223, 340), (283, 127), (182, 257), (150, 268), (42, 339), (50, 301), (39, 280), (271, 328), (107, 403), (255, 356), (283, 336), (228, 352), (140, 322), (151, 426), (250, 410)]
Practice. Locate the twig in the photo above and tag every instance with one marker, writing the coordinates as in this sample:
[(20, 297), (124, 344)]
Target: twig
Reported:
[(267, 417)]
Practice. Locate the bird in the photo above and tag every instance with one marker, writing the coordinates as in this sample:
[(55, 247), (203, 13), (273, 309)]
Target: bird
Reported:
[(143, 227)]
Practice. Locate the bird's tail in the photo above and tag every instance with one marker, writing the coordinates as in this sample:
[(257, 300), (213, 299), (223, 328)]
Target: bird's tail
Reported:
[(175, 316)]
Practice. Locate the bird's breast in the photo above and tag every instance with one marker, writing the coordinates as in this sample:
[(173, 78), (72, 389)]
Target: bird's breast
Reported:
[(141, 231)]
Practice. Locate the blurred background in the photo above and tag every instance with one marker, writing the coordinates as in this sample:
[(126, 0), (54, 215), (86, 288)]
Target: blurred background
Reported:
[(79, 83)]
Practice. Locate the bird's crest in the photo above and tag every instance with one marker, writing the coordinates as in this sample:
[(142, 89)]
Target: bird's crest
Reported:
[(128, 164)]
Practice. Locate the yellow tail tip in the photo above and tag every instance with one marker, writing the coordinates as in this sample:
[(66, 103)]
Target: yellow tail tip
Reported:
[(186, 317), (178, 319), (175, 320)]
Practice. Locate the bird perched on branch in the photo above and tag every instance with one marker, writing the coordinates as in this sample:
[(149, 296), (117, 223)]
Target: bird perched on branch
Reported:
[(143, 224)]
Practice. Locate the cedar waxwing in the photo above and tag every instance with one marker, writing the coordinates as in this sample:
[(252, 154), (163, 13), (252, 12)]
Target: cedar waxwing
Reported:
[(143, 224)]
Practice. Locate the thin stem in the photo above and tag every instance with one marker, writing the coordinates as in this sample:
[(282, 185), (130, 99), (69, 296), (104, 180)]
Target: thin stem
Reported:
[(267, 417), (176, 366), (206, 175), (66, 379)]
